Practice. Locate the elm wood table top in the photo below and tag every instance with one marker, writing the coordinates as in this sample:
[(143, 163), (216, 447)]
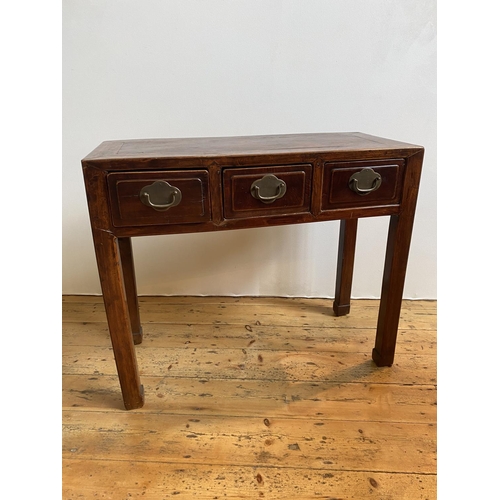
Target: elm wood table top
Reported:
[(213, 147), (167, 186)]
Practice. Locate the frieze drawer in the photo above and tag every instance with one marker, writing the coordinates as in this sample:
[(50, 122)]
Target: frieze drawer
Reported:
[(361, 183), (164, 197), (267, 191)]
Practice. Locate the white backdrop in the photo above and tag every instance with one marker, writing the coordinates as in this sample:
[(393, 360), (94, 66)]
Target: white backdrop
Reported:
[(194, 68)]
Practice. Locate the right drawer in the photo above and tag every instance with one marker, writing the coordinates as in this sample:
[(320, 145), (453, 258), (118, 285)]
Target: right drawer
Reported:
[(361, 183)]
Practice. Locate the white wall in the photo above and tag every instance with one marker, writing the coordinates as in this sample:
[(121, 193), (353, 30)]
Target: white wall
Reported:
[(191, 68)]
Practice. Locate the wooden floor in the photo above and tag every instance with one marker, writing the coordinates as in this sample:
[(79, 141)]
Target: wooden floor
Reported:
[(250, 398)]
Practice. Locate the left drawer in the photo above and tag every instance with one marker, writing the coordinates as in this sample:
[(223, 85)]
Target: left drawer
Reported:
[(160, 197)]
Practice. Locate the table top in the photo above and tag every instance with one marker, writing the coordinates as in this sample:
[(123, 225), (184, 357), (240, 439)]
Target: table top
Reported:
[(207, 147)]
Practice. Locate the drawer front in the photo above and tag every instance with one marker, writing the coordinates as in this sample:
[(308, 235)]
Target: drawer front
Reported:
[(262, 191), (379, 184), (178, 197)]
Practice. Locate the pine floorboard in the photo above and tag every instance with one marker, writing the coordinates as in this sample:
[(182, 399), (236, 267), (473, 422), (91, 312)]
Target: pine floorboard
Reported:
[(250, 398)]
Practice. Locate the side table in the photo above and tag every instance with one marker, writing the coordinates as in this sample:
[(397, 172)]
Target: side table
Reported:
[(170, 186)]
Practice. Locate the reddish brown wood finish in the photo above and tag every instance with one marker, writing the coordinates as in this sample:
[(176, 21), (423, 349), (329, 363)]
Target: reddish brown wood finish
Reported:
[(113, 289), (214, 176), (128, 210), (127, 260), (396, 259), (149, 154), (345, 266), (240, 204), (337, 194)]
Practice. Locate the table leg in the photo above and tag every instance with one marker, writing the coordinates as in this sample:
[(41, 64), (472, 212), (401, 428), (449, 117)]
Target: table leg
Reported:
[(345, 266), (127, 260), (115, 301), (398, 246)]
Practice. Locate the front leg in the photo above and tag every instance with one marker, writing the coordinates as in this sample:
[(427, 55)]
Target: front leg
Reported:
[(396, 259), (117, 311), (398, 245)]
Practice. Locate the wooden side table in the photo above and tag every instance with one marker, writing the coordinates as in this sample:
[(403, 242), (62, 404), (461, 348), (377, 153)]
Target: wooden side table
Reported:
[(170, 186)]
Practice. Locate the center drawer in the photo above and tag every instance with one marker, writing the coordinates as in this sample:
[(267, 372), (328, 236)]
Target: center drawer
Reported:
[(270, 190)]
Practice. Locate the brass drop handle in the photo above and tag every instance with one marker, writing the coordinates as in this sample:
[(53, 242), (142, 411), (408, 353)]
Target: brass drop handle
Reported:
[(365, 181), (160, 195), (268, 189)]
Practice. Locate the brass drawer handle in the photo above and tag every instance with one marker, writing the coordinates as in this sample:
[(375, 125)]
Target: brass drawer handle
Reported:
[(365, 181), (268, 189), (160, 195)]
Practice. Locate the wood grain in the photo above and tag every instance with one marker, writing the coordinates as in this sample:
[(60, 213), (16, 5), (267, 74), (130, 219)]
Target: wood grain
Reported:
[(273, 441), (258, 145), (255, 364), (235, 397), (291, 338), (317, 314), (298, 411), (114, 479)]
